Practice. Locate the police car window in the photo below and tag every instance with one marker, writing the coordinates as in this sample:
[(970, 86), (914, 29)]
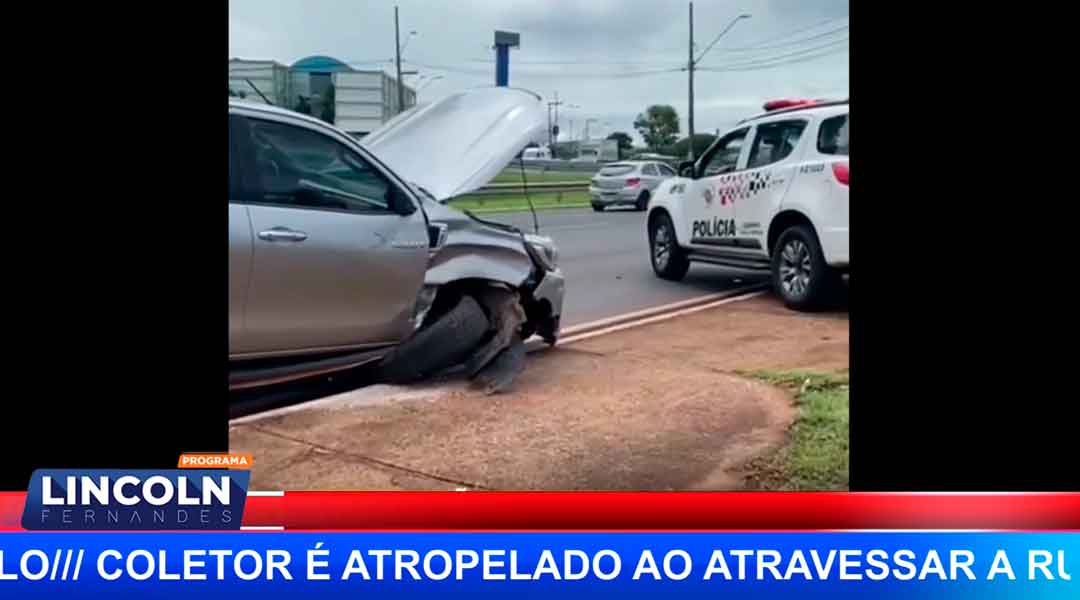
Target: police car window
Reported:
[(650, 170), (666, 170), (833, 136), (773, 142), (302, 168), (725, 154)]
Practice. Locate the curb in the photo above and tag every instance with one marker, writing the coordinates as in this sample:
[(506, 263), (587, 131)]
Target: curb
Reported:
[(646, 316), (568, 335)]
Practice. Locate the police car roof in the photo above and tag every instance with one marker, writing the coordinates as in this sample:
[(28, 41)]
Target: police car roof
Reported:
[(796, 108)]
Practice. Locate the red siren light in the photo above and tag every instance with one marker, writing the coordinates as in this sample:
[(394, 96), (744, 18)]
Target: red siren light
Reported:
[(778, 104)]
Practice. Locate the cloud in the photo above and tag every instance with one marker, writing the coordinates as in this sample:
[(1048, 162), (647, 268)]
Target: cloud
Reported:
[(610, 57)]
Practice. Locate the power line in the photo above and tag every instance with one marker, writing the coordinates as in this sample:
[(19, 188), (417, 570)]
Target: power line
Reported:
[(786, 35), (793, 61), (585, 62), (742, 63), (754, 47), (768, 59), (787, 44), (768, 65), (558, 73)]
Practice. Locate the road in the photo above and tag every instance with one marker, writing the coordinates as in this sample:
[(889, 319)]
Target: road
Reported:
[(605, 258)]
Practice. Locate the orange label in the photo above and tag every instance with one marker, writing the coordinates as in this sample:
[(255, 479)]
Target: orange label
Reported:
[(220, 460)]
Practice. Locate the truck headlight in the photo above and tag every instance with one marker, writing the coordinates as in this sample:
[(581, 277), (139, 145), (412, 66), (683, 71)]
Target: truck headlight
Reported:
[(547, 253)]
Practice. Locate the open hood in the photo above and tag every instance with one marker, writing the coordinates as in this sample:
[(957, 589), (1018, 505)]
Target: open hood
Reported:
[(461, 142)]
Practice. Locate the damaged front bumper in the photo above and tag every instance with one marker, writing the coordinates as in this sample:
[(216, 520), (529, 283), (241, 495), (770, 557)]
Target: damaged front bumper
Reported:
[(513, 275), (549, 294), (515, 315)]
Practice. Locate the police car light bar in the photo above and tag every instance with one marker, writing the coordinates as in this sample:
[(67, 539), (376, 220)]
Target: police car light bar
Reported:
[(778, 104)]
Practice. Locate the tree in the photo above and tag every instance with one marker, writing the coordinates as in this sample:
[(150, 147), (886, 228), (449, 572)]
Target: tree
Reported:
[(625, 142), (702, 141), (658, 125), (328, 105)]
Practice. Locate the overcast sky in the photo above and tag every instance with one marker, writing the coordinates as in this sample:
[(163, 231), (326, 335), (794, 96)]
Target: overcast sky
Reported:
[(612, 58)]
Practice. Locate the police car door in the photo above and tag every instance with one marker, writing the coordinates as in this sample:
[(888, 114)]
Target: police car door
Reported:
[(770, 167), (711, 201)]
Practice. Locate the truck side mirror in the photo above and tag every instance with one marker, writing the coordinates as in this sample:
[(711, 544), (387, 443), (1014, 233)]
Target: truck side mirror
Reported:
[(399, 202)]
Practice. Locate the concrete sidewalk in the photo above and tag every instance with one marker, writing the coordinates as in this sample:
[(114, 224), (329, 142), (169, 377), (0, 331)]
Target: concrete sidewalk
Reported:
[(652, 408)]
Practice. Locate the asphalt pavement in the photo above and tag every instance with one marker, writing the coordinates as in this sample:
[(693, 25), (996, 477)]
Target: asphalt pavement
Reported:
[(605, 258)]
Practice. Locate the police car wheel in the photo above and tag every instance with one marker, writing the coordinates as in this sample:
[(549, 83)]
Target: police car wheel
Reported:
[(800, 275), (668, 259)]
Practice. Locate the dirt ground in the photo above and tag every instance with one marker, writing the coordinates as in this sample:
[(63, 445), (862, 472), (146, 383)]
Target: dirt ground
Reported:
[(651, 408)]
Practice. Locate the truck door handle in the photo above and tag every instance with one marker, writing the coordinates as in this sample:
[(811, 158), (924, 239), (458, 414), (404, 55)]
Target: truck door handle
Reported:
[(282, 234)]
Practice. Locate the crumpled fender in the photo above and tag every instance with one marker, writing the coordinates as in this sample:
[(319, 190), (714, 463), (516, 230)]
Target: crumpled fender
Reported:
[(491, 255)]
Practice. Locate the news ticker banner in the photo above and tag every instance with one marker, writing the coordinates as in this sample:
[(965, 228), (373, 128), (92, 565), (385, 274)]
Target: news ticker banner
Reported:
[(549, 565), (121, 533)]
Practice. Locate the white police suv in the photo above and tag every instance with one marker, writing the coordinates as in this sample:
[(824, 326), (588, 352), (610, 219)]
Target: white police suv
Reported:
[(770, 194)]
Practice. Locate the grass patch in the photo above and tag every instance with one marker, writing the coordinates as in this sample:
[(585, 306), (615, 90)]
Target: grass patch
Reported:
[(514, 202), (815, 456), (513, 175)]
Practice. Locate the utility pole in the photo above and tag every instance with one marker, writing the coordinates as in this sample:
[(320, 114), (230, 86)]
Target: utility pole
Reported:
[(397, 53), (553, 129), (549, 124), (692, 62), (557, 103), (690, 70)]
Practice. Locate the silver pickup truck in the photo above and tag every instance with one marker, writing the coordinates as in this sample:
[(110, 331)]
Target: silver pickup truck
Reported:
[(344, 252)]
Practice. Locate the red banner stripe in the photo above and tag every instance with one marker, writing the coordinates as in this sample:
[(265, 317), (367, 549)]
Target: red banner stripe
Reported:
[(624, 511)]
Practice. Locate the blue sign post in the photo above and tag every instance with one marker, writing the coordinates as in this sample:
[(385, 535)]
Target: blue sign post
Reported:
[(504, 41), (502, 66)]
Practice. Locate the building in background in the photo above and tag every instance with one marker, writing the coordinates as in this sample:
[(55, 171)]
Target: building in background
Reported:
[(255, 79), (367, 99), (324, 87)]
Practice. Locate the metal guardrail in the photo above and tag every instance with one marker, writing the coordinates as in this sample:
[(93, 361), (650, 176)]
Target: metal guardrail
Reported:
[(497, 189), (537, 185), (558, 165)]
